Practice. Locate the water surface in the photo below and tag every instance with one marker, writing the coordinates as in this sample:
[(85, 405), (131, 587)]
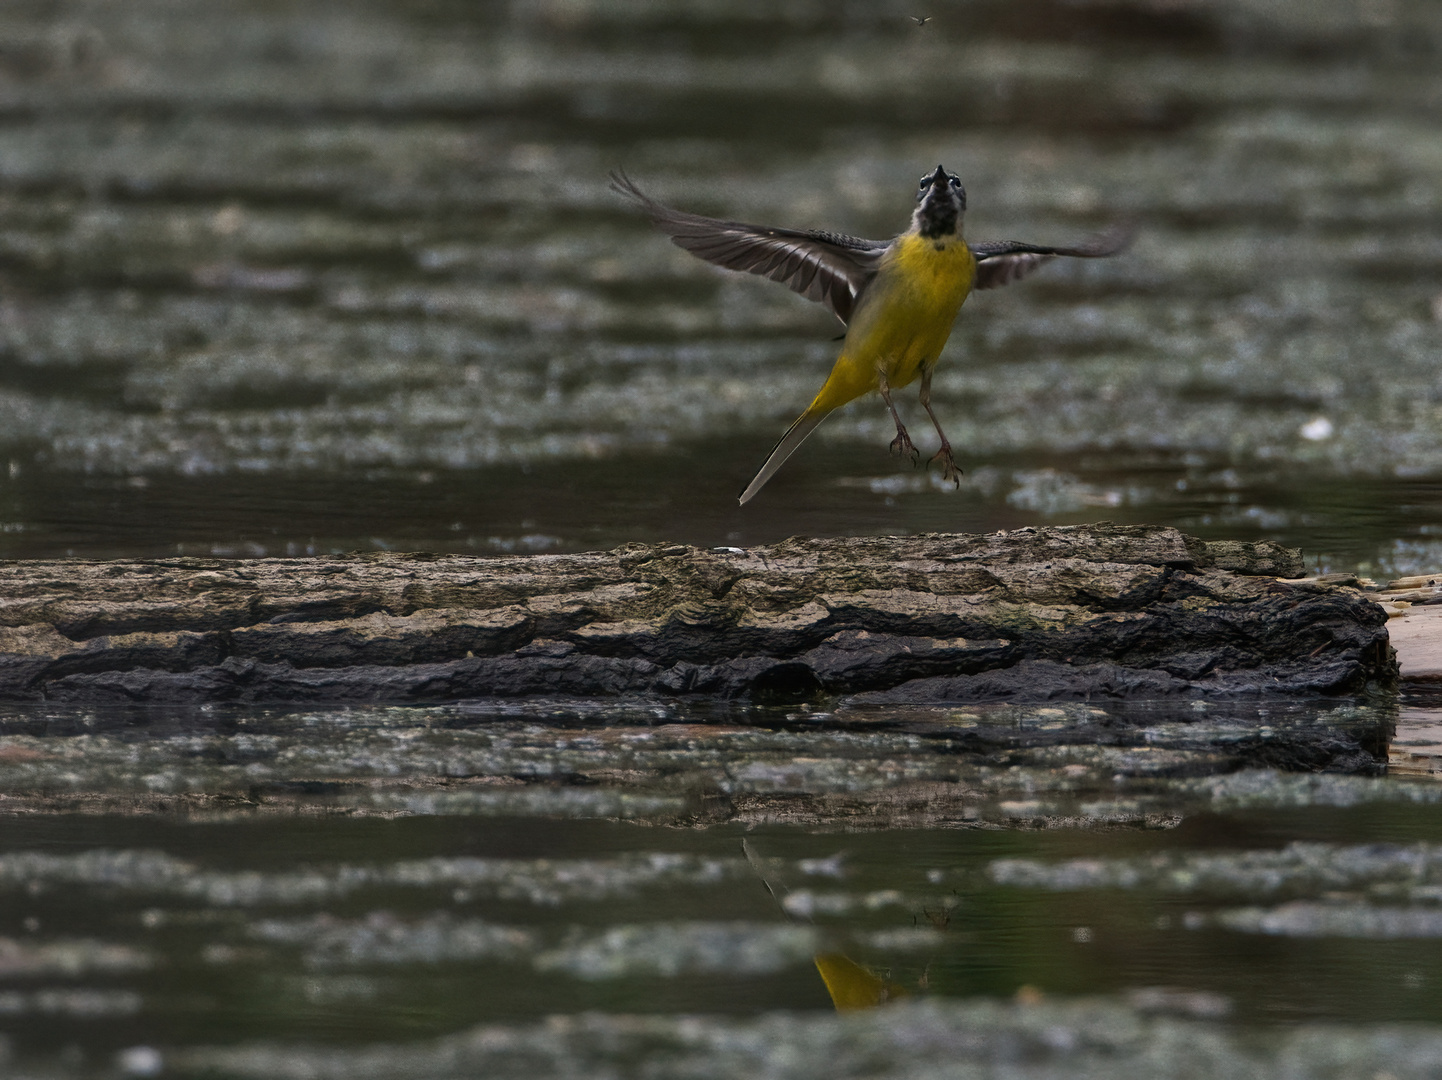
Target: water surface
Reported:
[(281, 279), (345, 276)]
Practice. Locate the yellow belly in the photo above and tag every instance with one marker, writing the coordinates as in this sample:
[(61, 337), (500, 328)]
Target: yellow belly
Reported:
[(903, 320)]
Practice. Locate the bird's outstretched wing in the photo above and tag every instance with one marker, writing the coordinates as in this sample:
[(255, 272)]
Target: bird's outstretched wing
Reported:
[(1000, 262), (829, 267)]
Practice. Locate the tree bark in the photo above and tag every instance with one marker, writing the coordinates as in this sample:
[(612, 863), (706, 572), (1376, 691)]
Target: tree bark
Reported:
[(1029, 615)]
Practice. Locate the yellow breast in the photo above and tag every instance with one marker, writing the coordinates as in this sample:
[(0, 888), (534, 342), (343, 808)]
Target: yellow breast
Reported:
[(936, 274), (903, 319), (912, 305)]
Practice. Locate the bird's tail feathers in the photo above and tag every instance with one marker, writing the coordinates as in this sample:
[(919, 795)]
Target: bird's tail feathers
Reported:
[(795, 435)]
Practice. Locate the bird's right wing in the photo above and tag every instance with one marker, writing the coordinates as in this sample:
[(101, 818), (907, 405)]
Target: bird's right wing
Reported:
[(829, 267), (1000, 262)]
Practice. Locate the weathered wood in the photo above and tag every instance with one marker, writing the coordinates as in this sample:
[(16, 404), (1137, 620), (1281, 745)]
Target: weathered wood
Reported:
[(1033, 614)]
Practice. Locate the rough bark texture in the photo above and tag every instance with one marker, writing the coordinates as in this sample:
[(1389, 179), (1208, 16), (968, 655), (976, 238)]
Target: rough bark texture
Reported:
[(1034, 614)]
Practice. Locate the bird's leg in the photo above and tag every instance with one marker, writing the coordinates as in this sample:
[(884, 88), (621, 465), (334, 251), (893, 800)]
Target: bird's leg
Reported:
[(949, 470), (902, 443)]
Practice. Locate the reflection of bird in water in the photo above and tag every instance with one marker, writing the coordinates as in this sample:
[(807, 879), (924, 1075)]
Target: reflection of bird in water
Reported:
[(898, 298), (850, 985)]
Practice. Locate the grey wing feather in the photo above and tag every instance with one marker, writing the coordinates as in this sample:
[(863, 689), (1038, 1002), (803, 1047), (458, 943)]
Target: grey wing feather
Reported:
[(828, 267), (1000, 262)]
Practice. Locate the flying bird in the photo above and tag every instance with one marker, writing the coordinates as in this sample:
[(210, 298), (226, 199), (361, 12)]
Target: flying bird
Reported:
[(897, 298)]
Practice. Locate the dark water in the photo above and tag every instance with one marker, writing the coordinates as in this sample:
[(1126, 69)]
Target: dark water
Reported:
[(546, 889), (1386, 528), (290, 278)]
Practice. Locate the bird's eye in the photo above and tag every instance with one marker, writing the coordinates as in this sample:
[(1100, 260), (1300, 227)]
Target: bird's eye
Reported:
[(955, 182), (925, 180)]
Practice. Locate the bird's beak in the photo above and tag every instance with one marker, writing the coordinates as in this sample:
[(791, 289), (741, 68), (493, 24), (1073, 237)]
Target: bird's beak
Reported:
[(939, 178)]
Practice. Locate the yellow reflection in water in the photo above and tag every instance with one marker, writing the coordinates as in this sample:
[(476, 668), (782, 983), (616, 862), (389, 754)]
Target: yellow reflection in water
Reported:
[(852, 986)]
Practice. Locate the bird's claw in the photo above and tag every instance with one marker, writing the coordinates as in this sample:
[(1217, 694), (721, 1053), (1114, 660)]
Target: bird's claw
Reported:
[(901, 446), (949, 468)]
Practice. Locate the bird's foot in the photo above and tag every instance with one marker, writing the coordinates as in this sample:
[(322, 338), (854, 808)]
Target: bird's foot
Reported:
[(949, 468), (902, 447)]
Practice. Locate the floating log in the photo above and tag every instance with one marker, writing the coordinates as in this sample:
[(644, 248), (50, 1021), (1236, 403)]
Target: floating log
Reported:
[(1029, 615)]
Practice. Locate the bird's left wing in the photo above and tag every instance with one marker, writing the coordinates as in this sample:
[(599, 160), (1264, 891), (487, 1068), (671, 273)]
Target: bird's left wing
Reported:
[(1000, 262), (829, 267)]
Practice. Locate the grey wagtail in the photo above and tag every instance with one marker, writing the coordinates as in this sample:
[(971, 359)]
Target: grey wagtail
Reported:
[(897, 298)]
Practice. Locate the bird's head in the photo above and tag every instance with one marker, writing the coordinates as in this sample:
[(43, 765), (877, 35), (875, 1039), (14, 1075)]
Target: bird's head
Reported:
[(940, 202)]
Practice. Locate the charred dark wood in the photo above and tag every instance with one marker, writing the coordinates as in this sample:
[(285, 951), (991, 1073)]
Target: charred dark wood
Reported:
[(1035, 614)]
